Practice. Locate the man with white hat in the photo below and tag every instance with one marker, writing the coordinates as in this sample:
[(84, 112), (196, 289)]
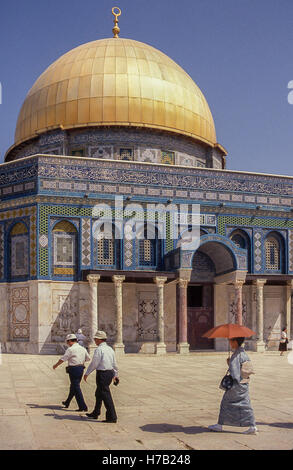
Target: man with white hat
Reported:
[(76, 356), (104, 362)]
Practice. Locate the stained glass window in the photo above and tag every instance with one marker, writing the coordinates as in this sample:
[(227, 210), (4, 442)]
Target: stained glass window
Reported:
[(168, 158), (148, 247), (106, 247), (78, 152), (272, 251), (64, 249), (19, 246), (106, 251), (238, 240), (147, 252), (126, 154)]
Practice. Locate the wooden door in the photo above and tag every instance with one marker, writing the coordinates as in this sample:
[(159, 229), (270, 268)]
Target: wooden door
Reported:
[(200, 320)]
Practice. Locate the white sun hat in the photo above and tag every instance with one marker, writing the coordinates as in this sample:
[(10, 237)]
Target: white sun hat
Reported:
[(100, 335), (69, 337)]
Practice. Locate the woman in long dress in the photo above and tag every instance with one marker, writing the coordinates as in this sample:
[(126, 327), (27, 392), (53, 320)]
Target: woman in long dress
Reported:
[(283, 341), (236, 408)]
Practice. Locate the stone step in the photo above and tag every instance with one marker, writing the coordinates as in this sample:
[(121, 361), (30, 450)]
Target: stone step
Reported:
[(50, 348)]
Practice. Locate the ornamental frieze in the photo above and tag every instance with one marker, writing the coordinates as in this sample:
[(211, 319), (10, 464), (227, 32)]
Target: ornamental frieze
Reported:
[(107, 172), (137, 173), (18, 175)]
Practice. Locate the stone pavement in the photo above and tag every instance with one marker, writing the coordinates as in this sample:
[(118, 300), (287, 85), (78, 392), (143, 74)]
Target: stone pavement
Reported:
[(162, 402)]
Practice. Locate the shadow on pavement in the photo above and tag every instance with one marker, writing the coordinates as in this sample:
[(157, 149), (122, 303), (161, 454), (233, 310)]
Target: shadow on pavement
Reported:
[(278, 425), (76, 417), (164, 428), (49, 407)]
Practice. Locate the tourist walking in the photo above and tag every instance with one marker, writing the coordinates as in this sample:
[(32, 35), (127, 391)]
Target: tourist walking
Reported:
[(235, 407), (104, 362), (81, 338), (283, 341), (76, 356)]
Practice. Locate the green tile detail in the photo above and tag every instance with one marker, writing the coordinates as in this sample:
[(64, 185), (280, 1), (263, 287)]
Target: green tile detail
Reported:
[(251, 221), (62, 211)]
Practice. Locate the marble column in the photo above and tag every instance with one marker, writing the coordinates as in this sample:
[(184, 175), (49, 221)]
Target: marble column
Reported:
[(238, 301), (160, 346), (289, 287), (260, 344), (183, 346), (93, 280), (119, 345)]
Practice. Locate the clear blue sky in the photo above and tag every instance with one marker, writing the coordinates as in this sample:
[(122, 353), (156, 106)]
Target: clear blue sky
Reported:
[(239, 52)]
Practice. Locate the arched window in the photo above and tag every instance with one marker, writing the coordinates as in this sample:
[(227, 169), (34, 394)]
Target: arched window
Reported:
[(19, 251), (239, 240), (242, 240), (272, 254), (106, 246), (64, 249), (189, 239), (148, 247)]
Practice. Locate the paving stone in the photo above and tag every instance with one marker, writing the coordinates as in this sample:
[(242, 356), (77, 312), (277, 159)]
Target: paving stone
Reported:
[(162, 402)]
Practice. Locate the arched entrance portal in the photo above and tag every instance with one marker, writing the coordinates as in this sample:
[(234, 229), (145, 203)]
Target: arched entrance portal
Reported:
[(210, 260)]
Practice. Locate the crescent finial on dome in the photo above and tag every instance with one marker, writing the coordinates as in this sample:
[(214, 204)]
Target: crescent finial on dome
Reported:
[(116, 12)]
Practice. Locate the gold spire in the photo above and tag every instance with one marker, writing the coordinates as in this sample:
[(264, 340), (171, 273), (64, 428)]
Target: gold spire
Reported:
[(116, 12)]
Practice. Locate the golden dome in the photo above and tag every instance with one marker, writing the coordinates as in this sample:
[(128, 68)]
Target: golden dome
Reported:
[(116, 82)]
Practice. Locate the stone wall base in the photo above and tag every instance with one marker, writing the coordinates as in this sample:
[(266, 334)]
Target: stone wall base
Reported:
[(160, 349), (28, 347), (183, 348)]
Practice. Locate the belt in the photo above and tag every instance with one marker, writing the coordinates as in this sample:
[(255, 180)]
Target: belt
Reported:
[(77, 365)]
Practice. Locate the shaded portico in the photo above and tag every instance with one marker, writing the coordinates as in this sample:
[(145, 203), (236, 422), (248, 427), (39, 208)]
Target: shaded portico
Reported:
[(217, 261), (118, 278)]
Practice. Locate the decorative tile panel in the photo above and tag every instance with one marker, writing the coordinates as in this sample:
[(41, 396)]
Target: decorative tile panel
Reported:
[(101, 152), (168, 158), (19, 314), (19, 255), (147, 316), (126, 154), (86, 242), (257, 243), (290, 245), (1, 251), (148, 155), (65, 313)]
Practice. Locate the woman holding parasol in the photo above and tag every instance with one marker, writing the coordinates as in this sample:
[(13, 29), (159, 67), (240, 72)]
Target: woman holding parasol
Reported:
[(235, 407)]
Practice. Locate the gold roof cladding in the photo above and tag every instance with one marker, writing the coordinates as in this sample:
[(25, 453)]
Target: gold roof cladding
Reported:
[(116, 82)]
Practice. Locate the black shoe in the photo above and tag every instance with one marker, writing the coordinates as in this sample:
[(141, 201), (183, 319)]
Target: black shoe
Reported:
[(82, 409), (109, 421), (65, 404), (92, 415)]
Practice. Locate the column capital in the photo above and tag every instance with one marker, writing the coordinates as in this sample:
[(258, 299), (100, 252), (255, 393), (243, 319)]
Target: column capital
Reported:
[(117, 279), (160, 280), (259, 282), (183, 283), (238, 283), (290, 284), (92, 278)]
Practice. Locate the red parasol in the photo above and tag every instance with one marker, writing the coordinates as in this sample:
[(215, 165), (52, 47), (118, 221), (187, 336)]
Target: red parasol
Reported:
[(229, 330)]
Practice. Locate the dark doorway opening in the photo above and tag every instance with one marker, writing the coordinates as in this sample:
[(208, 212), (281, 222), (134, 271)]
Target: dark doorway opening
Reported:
[(200, 315), (194, 296)]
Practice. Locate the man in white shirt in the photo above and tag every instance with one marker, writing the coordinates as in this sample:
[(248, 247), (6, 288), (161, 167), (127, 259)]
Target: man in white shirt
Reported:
[(104, 362), (76, 356)]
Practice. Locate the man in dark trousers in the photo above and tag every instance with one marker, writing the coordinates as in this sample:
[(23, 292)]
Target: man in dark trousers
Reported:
[(76, 356), (104, 362)]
